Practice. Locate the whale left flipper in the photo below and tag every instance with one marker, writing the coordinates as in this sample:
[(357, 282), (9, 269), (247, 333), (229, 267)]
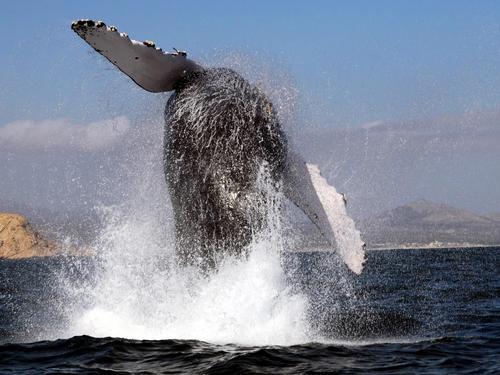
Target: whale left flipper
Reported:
[(308, 190), (148, 66)]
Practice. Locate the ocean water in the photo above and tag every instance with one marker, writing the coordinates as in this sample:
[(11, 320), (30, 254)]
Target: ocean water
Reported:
[(411, 311)]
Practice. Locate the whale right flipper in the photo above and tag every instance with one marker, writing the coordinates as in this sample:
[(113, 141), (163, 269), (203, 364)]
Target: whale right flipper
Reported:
[(148, 66), (325, 207)]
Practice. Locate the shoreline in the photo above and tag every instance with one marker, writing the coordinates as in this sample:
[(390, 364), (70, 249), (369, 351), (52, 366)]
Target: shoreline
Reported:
[(450, 247), (403, 247), (316, 249)]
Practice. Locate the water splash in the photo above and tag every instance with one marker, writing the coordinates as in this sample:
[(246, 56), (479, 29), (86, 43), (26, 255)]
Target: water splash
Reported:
[(140, 292), (245, 302)]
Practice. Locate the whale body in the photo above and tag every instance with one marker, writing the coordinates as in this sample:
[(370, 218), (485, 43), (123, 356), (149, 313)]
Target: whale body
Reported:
[(222, 134), (219, 132)]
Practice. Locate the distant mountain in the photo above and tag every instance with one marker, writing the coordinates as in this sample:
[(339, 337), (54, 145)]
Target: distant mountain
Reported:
[(423, 223), (495, 216), (423, 212)]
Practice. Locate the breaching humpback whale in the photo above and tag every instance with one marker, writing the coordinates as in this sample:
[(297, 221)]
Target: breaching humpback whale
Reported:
[(220, 132)]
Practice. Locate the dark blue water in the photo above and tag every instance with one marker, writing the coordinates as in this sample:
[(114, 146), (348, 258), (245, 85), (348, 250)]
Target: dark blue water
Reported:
[(411, 311)]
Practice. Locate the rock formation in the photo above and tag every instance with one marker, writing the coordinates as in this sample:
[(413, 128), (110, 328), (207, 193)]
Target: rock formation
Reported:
[(19, 240)]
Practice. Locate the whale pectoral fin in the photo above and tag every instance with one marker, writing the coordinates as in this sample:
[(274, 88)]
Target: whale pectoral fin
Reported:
[(148, 66), (308, 190)]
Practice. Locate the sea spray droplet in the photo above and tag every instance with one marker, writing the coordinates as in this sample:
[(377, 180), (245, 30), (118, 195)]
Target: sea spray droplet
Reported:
[(142, 295)]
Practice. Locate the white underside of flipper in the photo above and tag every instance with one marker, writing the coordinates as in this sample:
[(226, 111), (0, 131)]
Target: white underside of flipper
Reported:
[(325, 207), (148, 66)]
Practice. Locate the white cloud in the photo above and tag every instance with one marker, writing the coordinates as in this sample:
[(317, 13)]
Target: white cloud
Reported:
[(477, 131), (371, 124), (63, 134)]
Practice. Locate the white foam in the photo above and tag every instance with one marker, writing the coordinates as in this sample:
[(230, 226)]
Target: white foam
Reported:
[(141, 293), (246, 302)]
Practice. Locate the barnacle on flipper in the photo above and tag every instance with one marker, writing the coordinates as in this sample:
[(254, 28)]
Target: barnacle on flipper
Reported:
[(149, 43)]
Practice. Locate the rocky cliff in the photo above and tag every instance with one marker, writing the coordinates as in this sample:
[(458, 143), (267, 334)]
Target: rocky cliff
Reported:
[(19, 240)]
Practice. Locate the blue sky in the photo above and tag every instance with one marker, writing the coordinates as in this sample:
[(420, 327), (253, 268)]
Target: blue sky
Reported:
[(417, 83), (363, 60)]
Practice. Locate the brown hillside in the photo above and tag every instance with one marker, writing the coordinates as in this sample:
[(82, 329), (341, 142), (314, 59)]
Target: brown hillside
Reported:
[(18, 240)]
